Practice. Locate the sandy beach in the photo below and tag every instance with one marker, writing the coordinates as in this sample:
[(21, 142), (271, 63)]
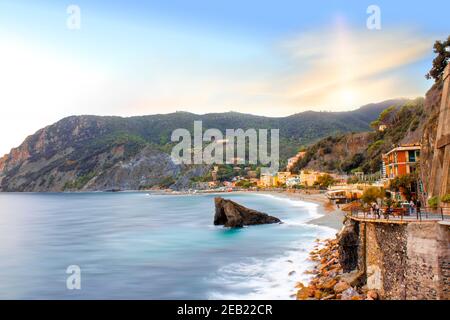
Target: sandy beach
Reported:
[(332, 216)]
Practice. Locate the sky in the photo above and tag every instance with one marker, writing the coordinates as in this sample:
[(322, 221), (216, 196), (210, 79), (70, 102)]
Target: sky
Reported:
[(272, 58)]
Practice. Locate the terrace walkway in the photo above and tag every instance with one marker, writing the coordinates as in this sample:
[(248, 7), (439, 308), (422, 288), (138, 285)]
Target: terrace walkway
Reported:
[(425, 215)]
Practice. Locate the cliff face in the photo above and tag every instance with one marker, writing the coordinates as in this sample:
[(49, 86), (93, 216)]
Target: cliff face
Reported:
[(86, 153), (428, 140)]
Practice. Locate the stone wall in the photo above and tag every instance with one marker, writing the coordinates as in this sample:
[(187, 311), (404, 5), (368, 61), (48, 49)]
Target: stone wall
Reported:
[(405, 260), (436, 145)]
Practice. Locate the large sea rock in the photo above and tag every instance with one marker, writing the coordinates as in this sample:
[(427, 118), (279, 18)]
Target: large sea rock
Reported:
[(233, 215)]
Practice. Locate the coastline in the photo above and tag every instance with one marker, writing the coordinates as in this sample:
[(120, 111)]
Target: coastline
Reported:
[(330, 215)]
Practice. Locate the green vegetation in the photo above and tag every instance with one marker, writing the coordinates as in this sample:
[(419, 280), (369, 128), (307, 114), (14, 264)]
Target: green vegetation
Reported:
[(372, 194), (167, 182), (324, 181), (89, 145), (80, 182), (442, 50), (406, 184), (433, 202), (446, 198), (246, 184), (204, 178), (345, 153)]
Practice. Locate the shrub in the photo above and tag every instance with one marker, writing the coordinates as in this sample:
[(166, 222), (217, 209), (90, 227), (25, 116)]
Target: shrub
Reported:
[(406, 184), (324, 181), (446, 198), (372, 194), (433, 202)]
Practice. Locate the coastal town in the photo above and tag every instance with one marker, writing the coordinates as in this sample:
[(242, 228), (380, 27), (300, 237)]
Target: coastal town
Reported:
[(394, 241), (397, 179), (217, 157)]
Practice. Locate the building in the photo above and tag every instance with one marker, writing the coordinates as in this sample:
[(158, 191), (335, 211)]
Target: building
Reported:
[(292, 181), (401, 160), (349, 192), (309, 178), (283, 176), (266, 181)]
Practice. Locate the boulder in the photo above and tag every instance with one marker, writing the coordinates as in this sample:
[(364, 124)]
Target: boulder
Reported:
[(329, 297), (372, 295), (305, 293), (233, 215), (350, 294), (341, 286), (353, 278), (328, 284)]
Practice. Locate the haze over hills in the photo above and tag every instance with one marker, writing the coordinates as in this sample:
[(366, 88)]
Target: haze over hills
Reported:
[(104, 153)]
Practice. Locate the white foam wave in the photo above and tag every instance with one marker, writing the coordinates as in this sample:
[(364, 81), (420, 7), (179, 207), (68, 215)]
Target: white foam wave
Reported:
[(272, 278)]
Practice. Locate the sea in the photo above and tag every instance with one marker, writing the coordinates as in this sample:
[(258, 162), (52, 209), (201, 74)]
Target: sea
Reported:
[(141, 245)]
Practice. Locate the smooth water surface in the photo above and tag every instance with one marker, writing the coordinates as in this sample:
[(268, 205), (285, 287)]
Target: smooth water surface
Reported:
[(135, 245)]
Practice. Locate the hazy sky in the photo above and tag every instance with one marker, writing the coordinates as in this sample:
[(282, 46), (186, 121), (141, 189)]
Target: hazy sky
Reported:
[(263, 57)]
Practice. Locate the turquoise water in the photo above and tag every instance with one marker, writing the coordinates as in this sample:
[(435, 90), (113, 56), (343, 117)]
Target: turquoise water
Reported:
[(147, 246)]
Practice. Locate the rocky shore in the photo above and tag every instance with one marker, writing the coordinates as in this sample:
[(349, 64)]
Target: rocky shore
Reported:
[(330, 282), (333, 278)]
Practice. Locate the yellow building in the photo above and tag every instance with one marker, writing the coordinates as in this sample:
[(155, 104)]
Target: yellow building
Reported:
[(308, 178), (266, 181), (283, 176)]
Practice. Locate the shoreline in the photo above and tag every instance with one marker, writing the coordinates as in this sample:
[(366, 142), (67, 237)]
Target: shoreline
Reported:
[(330, 215)]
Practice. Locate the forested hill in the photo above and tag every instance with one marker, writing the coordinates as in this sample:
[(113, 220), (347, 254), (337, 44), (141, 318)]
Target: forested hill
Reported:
[(101, 153), (362, 151)]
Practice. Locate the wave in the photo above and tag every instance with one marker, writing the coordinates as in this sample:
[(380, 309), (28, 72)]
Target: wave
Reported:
[(311, 209), (271, 278)]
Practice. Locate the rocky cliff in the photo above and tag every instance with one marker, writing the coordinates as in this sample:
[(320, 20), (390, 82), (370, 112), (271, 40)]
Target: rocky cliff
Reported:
[(428, 140), (114, 153), (87, 153)]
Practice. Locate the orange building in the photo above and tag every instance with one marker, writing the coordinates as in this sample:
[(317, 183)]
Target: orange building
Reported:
[(401, 160)]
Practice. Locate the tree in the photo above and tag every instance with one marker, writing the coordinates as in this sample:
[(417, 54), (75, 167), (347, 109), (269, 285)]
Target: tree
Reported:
[(372, 194), (324, 181), (442, 49), (245, 184), (406, 184)]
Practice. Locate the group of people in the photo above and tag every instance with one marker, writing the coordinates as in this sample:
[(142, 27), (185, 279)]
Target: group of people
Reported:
[(413, 208)]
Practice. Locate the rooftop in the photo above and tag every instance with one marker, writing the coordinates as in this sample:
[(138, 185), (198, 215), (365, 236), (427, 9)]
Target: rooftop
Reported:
[(405, 147)]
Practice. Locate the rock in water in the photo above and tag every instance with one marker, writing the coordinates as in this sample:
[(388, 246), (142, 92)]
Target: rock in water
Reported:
[(231, 214)]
